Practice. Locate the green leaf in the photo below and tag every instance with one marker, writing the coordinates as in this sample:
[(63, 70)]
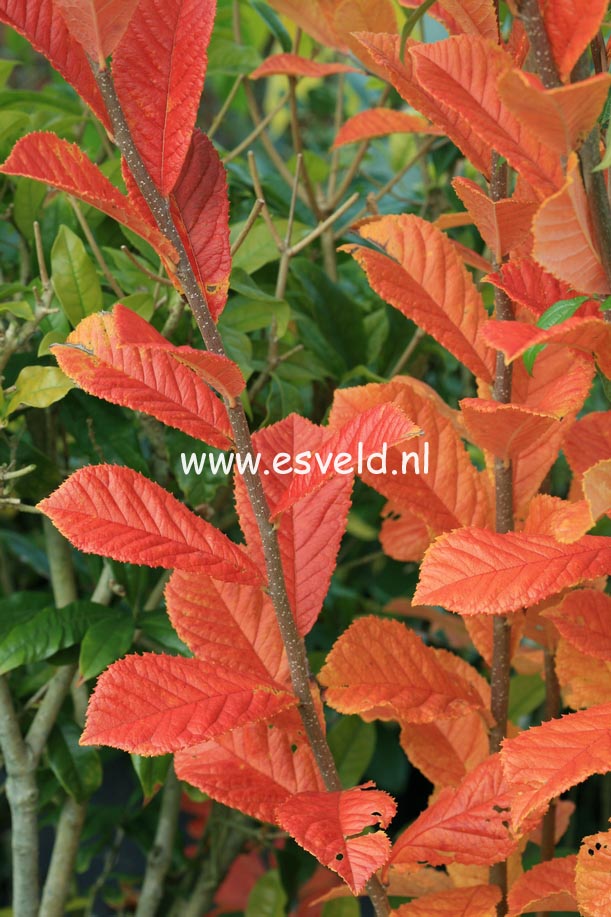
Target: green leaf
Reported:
[(268, 898), (74, 277), (50, 338), (231, 59), (559, 312), (19, 308), (273, 23), (245, 315), (526, 693), (352, 743), (156, 625), (29, 198), (142, 303), (6, 68), (38, 387), (13, 125), (105, 642), (77, 768), (341, 907), (31, 630), (259, 247), (151, 772)]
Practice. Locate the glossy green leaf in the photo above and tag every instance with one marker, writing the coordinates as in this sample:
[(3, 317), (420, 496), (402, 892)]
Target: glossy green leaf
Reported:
[(19, 308), (151, 772), (268, 898), (74, 277), (352, 743), (77, 768), (526, 693), (28, 200), (38, 387), (559, 312), (105, 641)]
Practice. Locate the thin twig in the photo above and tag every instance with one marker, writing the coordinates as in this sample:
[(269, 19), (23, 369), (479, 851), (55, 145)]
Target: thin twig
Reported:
[(298, 147), (144, 270), (318, 230), (225, 107), (254, 173), (407, 353), (95, 248), (261, 123), (287, 254), (40, 255), (248, 225), (160, 856)]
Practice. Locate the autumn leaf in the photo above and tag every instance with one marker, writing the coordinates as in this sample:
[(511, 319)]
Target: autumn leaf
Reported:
[(199, 205), (562, 118), (154, 704), (158, 71), (588, 442), (527, 283), (419, 273), (328, 825), (584, 619), (227, 624), (462, 72), (49, 159), (254, 768), (597, 488), (144, 378), (474, 17), (547, 760), (294, 65), (417, 686), (37, 20), (476, 901), (315, 18), (558, 384), (570, 28), (505, 430), (564, 237), (379, 122), (504, 224), (97, 25), (592, 875), (466, 824), (118, 513), (548, 886), (351, 16), (475, 571), (564, 520), (404, 536), (309, 533), (585, 681)]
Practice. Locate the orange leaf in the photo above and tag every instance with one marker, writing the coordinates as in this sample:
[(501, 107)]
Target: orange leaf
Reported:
[(118, 513), (504, 224), (505, 430), (404, 536), (97, 25), (588, 442), (564, 240), (379, 122), (384, 49), (592, 875), (309, 533), (564, 520), (571, 26), (474, 571), (37, 20), (466, 824), (530, 285), (416, 688), (254, 768), (144, 378), (316, 18), (475, 17), (462, 73), (597, 488), (49, 159), (350, 16), (421, 275), (584, 619), (200, 208), (548, 886), (412, 882), (562, 118), (328, 825), (476, 901), (547, 760), (294, 65), (227, 624), (559, 383), (585, 681), (159, 70), (154, 704)]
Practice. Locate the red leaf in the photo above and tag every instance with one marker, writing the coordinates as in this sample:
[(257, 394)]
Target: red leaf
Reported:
[(588, 442), (383, 670), (153, 704), (384, 50), (585, 681), (462, 73), (564, 520), (597, 488), (118, 513), (530, 285), (571, 27), (474, 571), (505, 430), (294, 65), (227, 624), (546, 760), (561, 118), (466, 824), (421, 275), (144, 378), (325, 824), (315, 17), (254, 768), (584, 619), (548, 886), (404, 536), (159, 71), (379, 122), (310, 532), (351, 16), (200, 208), (474, 17), (97, 25), (476, 901), (503, 225), (559, 384), (370, 432), (37, 20), (589, 335), (49, 159), (564, 239), (592, 882)]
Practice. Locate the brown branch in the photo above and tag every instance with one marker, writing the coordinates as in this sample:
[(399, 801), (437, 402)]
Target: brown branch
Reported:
[(293, 642)]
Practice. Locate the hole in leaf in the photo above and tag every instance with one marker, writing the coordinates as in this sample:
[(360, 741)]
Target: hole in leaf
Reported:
[(591, 852), (293, 748), (339, 856)]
